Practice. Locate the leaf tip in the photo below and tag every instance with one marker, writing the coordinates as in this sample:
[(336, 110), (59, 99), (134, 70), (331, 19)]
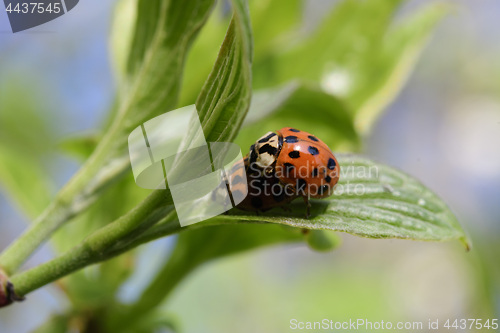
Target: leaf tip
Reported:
[(466, 243)]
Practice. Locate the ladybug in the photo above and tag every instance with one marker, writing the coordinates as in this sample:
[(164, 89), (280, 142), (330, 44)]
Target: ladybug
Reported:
[(265, 191), (284, 165)]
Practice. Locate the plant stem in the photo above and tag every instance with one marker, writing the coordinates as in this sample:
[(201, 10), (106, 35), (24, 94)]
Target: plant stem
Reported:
[(22, 248), (98, 246), (74, 197)]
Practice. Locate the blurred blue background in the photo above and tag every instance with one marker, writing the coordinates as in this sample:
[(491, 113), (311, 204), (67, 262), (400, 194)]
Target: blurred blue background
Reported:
[(444, 129)]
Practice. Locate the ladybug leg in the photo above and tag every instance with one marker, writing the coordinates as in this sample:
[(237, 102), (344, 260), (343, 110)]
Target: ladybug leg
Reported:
[(308, 206)]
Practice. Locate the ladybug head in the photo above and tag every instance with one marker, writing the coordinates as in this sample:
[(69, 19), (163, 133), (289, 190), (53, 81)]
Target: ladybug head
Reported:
[(264, 151)]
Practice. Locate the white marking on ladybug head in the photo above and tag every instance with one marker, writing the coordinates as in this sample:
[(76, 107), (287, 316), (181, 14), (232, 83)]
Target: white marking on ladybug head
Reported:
[(266, 149), (265, 160)]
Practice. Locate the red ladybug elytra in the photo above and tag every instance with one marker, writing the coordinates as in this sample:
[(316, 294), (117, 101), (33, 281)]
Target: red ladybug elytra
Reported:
[(287, 164)]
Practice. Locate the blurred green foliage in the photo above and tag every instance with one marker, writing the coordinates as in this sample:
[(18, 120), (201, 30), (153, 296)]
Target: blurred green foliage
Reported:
[(334, 80), (26, 144)]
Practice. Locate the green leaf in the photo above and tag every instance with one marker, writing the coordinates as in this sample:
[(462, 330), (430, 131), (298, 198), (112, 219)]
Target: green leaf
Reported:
[(205, 47), (272, 22), (356, 54), (81, 146), (372, 200), (344, 41), (225, 98), (401, 48), (164, 30), (302, 106), (25, 180), (123, 28)]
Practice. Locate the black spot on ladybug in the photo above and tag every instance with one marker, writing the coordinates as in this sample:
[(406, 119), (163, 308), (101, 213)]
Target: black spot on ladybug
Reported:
[(323, 189), (328, 179), (289, 168), (301, 185), (267, 138), (291, 139), (331, 164), (267, 148), (313, 150), (315, 139), (294, 130), (294, 154), (257, 202), (315, 172)]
